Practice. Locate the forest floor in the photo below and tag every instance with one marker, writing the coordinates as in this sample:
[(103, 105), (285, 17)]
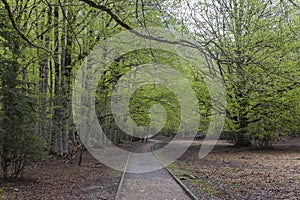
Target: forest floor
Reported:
[(226, 173), (60, 178), (242, 173)]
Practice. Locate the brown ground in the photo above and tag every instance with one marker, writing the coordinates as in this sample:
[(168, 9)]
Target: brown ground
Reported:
[(59, 178), (226, 173), (232, 173)]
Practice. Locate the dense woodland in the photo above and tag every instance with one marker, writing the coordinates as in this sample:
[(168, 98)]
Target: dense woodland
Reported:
[(254, 43)]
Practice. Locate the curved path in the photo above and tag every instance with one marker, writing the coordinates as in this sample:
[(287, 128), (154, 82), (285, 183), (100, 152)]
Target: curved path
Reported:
[(157, 185)]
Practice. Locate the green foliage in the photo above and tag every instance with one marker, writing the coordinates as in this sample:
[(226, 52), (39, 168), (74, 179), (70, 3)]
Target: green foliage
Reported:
[(256, 46), (150, 94), (18, 143)]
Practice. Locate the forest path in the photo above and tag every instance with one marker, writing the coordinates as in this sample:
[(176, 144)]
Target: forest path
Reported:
[(156, 185)]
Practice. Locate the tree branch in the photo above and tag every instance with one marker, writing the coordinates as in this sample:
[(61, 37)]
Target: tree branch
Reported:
[(129, 28), (20, 33), (108, 11), (294, 4)]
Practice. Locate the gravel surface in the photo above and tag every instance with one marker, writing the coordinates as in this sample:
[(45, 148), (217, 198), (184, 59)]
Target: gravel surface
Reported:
[(158, 185)]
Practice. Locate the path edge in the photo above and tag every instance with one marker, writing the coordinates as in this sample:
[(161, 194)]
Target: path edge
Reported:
[(124, 172), (182, 185)]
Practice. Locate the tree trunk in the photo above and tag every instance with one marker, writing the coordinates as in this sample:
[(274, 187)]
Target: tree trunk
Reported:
[(56, 139), (66, 70)]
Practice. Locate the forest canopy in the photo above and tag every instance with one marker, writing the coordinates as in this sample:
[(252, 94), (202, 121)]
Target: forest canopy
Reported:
[(255, 45)]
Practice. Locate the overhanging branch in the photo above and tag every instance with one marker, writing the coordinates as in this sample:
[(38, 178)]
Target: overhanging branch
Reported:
[(129, 28), (108, 11)]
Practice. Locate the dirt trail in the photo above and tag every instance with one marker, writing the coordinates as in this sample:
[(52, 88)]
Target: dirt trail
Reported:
[(157, 185)]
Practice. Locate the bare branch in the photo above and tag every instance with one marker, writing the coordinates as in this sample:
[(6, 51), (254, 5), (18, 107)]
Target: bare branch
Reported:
[(108, 11)]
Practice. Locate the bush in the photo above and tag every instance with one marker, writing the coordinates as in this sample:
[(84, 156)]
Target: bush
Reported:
[(262, 134), (18, 143)]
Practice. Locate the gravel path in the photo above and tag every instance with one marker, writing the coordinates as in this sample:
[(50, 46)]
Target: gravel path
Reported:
[(157, 185)]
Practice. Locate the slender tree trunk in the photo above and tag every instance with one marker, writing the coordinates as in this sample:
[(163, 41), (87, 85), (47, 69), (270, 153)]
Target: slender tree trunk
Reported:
[(66, 70), (43, 88), (57, 122)]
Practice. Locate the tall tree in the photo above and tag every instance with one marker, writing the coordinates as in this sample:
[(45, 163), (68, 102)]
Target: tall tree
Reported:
[(18, 142), (250, 41)]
